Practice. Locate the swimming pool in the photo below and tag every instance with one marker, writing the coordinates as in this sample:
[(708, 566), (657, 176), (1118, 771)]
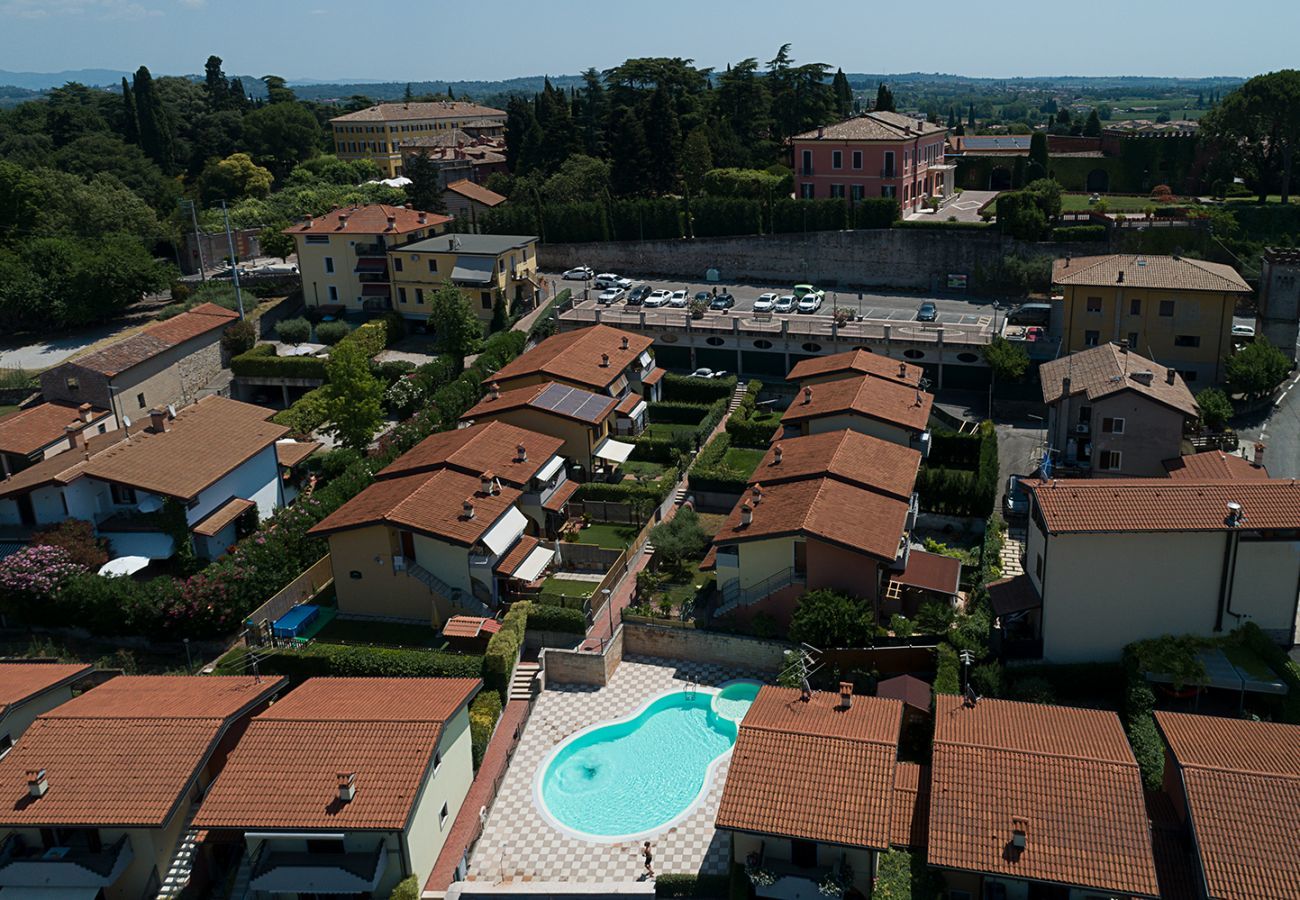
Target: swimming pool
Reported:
[(636, 776)]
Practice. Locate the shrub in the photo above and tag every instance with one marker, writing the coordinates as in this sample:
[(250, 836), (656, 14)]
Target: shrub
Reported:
[(679, 539), (503, 649), (947, 674), (1079, 233), (293, 331), (1140, 723), (338, 660), (262, 362), (685, 389), (1032, 689), (1216, 408), (903, 875), (947, 491), (406, 889), (308, 413), (987, 679), (654, 492), (77, 538), (676, 412), (330, 333), (394, 327), (703, 886), (934, 617), (900, 625), (239, 337), (483, 714), (557, 618), (826, 618), (33, 574)]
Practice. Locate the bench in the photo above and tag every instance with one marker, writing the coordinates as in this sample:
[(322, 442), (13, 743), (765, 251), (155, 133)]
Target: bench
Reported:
[(764, 315)]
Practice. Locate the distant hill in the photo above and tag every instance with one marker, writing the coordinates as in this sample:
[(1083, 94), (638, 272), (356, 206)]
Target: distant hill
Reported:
[(43, 81)]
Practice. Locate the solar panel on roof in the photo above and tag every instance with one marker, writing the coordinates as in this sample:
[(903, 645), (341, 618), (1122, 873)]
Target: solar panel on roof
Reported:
[(572, 402)]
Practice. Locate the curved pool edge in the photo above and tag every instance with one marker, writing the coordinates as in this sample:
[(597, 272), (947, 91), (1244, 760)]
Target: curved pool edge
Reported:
[(721, 689), (690, 808)]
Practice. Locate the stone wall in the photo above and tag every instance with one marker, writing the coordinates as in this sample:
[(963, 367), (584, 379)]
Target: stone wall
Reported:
[(578, 667), (695, 645)]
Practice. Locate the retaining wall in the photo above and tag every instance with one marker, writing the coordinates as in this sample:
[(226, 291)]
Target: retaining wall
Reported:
[(695, 645), (577, 667)]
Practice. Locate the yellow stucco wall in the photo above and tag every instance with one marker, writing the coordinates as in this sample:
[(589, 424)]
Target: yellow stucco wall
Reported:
[(579, 439), (416, 277)]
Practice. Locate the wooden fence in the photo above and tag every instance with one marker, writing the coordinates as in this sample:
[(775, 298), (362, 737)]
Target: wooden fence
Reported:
[(318, 576)]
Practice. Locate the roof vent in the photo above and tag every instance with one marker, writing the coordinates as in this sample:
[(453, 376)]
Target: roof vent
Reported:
[(777, 453), (37, 783), (846, 694), (347, 786), (756, 494), (496, 391), (1236, 515), (604, 360), (1146, 376), (625, 342), (807, 395), (746, 515), (468, 507), (1119, 279), (521, 453)]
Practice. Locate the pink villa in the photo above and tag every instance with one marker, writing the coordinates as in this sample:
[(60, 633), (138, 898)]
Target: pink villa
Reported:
[(876, 154)]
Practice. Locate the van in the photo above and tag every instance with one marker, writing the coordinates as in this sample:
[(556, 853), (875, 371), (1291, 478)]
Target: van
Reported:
[(1031, 314)]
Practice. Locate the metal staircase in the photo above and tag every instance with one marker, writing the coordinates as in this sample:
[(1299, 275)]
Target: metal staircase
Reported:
[(182, 864), (455, 596), (734, 597)]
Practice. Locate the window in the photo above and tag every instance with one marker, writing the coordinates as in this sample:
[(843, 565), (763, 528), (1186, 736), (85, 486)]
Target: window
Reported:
[(1112, 425), (73, 384), (1187, 340), (888, 190), (437, 761), (1133, 340), (1038, 566), (1189, 375), (1166, 308), (139, 398), (806, 191), (318, 238), (485, 297), (1135, 306), (1085, 415), (401, 295), (329, 265), (1110, 460), (6, 742), (122, 495), (103, 428), (397, 264), (837, 191), (442, 815), (857, 159), (807, 162), (334, 294), (855, 192), (837, 159), (433, 264), (419, 296), (888, 171), (729, 555), (1091, 338), (1094, 304)]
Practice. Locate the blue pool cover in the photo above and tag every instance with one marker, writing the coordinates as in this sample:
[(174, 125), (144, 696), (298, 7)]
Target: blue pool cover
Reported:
[(292, 623)]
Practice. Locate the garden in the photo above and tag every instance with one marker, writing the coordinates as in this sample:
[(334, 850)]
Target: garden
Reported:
[(674, 586)]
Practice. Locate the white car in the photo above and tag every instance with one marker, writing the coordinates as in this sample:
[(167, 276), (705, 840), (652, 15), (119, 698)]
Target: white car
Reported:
[(1243, 331), (581, 273), (707, 373), (677, 299), (609, 279), (784, 303), (658, 298), (610, 295), (810, 303), (764, 302)]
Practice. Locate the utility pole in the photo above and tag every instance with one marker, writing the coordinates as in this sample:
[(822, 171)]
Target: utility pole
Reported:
[(198, 240), (234, 262)]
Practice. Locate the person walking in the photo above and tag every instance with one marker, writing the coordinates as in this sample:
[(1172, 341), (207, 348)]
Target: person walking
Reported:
[(649, 860)]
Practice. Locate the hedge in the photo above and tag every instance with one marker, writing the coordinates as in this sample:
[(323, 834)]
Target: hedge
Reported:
[(950, 449), (337, 660), (741, 425), (629, 491), (949, 492), (1140, 723), (1277, 660), (503, 649), (1079, 233), (713, 417), (686, 389), (648, 448), (261, 362), (306, 414), (711, 473), (406, 889), (947, 674), (484, 712), (714, 887), (557, 618), (986, 481), (677, 412)]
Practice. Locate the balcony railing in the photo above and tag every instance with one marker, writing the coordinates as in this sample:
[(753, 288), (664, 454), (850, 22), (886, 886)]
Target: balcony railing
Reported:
[(278, 871), (734, 596), (24, 865)]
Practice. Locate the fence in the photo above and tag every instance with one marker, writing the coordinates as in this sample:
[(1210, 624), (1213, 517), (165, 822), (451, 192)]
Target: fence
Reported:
[(605, 511), (318, 576)]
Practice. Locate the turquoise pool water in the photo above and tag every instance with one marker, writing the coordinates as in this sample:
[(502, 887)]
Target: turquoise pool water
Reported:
[(632, 777)]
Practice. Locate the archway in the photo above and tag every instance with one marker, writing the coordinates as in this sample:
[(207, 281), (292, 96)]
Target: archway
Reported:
[(1000, 179), (1098, 181)]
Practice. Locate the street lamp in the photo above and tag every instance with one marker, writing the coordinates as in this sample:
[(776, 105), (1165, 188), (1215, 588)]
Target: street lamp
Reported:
[(609, 607), (234, 261)]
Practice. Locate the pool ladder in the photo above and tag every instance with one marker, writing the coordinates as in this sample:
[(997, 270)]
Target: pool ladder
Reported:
[(690, 690)]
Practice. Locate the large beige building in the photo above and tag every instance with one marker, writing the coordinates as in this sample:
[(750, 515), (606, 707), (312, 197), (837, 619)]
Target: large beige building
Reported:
[(378, 132)]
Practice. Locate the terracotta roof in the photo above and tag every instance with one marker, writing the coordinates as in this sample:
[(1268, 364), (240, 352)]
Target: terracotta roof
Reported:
[(814, 771), (21, 681), (930, 572), (438, 109), (370, 219), (516, 555), (867, 396), (28, 430), (1214, 465), (910, 691), (291, 453), (873, 126), (486, 447), (453, 138), (629, 404), (824, 508), (207, 440), (911, 805), (1066, 777), (124, 753), (476, 192), (156, 339), (860, 459), (574, 357), (1105, 370), (469, 627), (430, 503), (1242, 781), (62, 468), (1170, 273), (1013, 594), (211, 524), (560, 496), (1160, 504), (856, 362), (549, 398), (384, 730), (656, 375)]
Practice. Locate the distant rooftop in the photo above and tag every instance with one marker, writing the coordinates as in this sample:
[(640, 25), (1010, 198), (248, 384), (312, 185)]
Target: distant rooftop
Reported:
[(441, 109)]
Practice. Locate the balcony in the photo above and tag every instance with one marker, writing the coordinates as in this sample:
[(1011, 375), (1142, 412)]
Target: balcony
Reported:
[(286, 872), (77, 866), (371, 250)]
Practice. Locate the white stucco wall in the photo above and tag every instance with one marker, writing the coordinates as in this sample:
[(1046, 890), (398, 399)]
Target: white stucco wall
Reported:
[(450, 562), (426, 834), (762, 559), (862, 425), (258, 480)]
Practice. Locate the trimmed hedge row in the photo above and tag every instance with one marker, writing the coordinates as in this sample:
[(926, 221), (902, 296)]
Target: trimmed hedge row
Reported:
[(261, 362), (714, 887), (950, 449), (557, 618), (484, 711), (711, 473), (630, 491), (685, 389), (1140, 721), (744, 430), (503, 649), (947, 674), (966, 490), (337, 660), (1079, 233)]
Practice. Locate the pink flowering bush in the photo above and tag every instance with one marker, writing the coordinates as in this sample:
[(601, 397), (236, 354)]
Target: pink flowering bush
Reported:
[(35, 573)]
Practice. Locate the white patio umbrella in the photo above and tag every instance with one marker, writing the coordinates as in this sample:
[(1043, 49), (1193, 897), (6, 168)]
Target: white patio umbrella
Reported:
[(124, 565)]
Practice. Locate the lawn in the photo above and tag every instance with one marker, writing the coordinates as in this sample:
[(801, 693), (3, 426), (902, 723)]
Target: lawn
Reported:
[(711, 522), (667, 431), (742, 460), (644, 469), (568, 587), (1117, 203), (395, 634), (6, 409), (607, 535)]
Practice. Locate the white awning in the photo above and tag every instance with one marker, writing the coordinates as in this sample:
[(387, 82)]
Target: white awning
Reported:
[(645, 359), (533, 564), (473, 270), (614, 451), (505, 531), (124, 565), (639, 410), (553, 465)]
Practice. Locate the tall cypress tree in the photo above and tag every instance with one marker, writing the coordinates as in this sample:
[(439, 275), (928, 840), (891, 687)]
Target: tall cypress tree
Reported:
[(155, 135), (628, 153), (238, 96), (884, 99), (663, 135), (215, 84), (130, 123), (843, 94), (970, 119)]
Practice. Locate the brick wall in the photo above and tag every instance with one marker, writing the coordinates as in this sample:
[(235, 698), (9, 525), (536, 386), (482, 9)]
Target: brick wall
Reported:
[(574, 667), (695, 645)]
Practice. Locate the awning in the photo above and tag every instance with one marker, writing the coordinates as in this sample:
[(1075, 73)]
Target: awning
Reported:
[(211, 524), (501, 535), (1012, 595), (473, 270), (553, 465), (532, 566), (930, 572), (561, 495), (614, 451), (290, 453), (372, 264), (124, 565), (656, 375), (635, 411)]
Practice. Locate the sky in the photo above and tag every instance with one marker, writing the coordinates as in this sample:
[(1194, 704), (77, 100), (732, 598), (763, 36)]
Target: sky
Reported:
[(425, 40)]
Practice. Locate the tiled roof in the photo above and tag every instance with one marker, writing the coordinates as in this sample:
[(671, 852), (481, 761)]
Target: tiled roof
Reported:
[(1066, 777), (560, 496), (824, 508), (284, 772), (1242, 781), (865, 395), (574, 357), (629, 404), (930, 572), (21, 681), (1172, 848), (28, 430), (1105, 370), (62, 468), (813, 770), (291, 453), (476, 192), (516, 555), (1015, 593), (911, 691), (370, 219), (1214, 465), (873, 126), (438, 109), (430, 503), (1170, 273), (856, 362), (155, 339), (207, 440), (548, 398), (1164, 504), (211, 524), (469, 627), (486, 447), (125, 752), (911, 805), (851, 456)]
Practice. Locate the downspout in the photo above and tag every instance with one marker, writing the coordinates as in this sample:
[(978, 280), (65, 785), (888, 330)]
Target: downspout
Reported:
[(1225, 584)]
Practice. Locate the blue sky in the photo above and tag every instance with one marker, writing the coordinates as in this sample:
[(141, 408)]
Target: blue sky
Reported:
[(491, 39)]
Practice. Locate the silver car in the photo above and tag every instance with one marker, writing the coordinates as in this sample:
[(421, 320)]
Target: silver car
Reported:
[(784, 303), (610, 295), (678, 299)]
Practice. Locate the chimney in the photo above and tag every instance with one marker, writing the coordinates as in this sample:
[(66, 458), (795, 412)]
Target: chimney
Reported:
[(1065, 386), (392, 222), (624, 342), (1123, 346), (37, 783), (451, 243), (1169, 376), (1144, 377), (75, 436), (902, 370), (807, 395), (1259, 455), (485, 483), (343, 220), (821, 131), (604, 360), (158, 420), (84, 410), (496, 391), (347, 786), (521, 453), (467, 507), (1019, 833), (846, 694), (309, 223), (777, 453), (746, 514), (1236, 515), (1119, 279), (756, 494), (424, 218)]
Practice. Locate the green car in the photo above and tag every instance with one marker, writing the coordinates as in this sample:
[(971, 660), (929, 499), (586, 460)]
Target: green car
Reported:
[(803, 290)]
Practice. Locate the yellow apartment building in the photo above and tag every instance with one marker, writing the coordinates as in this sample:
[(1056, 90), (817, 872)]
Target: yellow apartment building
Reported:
[(342, 255), (483, 266), (378, 132), (1175, 311)]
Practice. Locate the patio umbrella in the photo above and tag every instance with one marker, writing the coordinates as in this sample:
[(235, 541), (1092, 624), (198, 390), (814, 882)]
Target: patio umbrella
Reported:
[(124, 565)]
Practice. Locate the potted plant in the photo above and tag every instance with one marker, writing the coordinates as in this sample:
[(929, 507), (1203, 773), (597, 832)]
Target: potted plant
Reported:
[(836, 881), (697, 308), (759, 877)]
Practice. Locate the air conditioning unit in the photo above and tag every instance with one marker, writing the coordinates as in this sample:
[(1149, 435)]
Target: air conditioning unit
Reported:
[(1080, 429)]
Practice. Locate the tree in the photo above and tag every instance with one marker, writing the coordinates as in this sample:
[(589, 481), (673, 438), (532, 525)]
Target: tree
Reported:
[(277, 90), (629, 154), (274, 242), (215, 84), (155, 131), (663, 141), (1216, 408), (594, 106), (130, 123), (354, 398), (579, 179), (281, 135), (456, 327), (679, 539), (425, 189), (1257, 130), (1030, 213), (1092, 128), (697, 160), (843, 94), (1256, 368), (500, 317), (1038, 160), (239, 337), (970, 119), (235, 178), (826, 618), (1007, 360), (884, 99), (407, 96)]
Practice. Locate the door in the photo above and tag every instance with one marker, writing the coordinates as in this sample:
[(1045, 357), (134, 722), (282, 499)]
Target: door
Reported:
[(803, 854), (408, 544), (801, 557), (26, 512)]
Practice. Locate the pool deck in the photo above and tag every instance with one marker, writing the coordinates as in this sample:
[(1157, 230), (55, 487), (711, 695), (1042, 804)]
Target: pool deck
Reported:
[(519, 845)]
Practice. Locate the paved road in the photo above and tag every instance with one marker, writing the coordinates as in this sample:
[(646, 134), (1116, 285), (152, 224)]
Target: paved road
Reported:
[(51, 351), (1279, 432)]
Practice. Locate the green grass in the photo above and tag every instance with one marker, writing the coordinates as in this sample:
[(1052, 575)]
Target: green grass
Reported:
[(7, 409), (568, 587), (646, 469), (1116, 203), (667, 431), (609, 536), (742, 460), (711, 522), (396, 634)]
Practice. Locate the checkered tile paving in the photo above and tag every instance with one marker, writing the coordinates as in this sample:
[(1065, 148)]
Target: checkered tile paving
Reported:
[(519, 845)]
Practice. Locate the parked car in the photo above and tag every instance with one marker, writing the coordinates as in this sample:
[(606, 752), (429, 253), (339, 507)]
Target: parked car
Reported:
[(610, 296), (784, 303), (1035, 333), (927, 312), (703, 296), (1243, 331), (581, 273), (638, 294), (708, 373), (803, 290), (810, 302), (272, 269), (764, 302), (1016, 502), (722, 301), (1031, 314), (678, 299), (608, 280), (657, 298)]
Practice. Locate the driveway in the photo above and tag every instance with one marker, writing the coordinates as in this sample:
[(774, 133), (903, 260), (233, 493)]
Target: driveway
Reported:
[(964, 209), (51, 351)]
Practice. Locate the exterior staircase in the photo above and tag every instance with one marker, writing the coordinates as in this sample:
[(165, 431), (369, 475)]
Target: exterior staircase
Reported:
[(736, 398), (178, 873), (455, 596), (243, 875), (733, 597), (524, 681)]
